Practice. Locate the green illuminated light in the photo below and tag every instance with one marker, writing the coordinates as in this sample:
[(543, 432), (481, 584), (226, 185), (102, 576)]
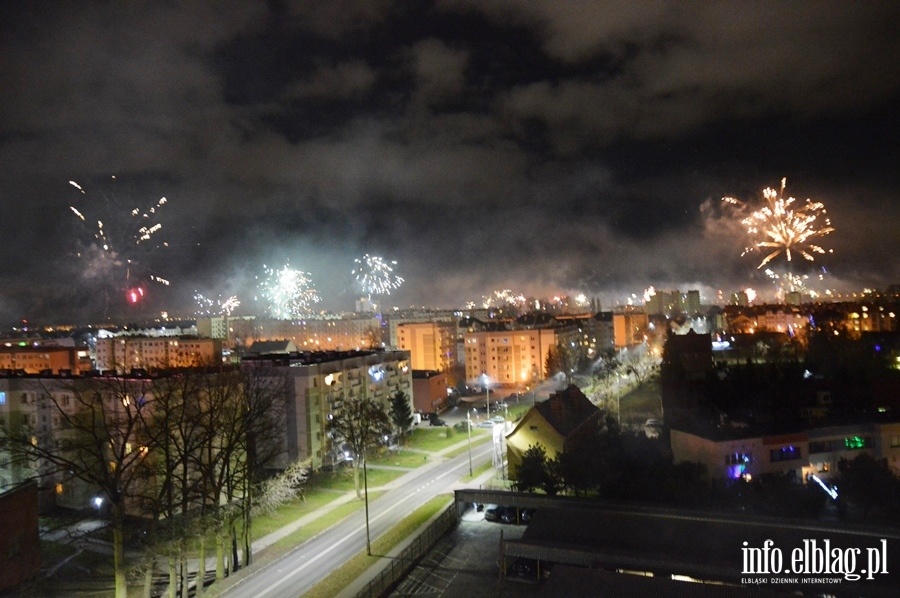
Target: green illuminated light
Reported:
[(854, 442)]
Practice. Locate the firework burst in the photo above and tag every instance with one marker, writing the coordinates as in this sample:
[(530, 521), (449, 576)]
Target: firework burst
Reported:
[(116, 249), (781, 227), (502, 298), (219, 307), (289, 293), (375, 275)]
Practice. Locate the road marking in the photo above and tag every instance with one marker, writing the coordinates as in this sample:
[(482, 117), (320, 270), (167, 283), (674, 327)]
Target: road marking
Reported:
[(351, 535)]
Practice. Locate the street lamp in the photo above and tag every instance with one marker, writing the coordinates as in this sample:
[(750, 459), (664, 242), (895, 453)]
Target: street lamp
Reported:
[(487, 394), (366, 495), (469, 427)]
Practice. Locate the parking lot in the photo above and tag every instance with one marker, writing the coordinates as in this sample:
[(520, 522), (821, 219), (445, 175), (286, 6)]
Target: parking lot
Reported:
[(465, 563)]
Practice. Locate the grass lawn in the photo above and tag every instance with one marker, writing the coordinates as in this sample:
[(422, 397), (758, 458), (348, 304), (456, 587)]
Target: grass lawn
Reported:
[(476, 441), (401, 458), (315, 498), (324, 522), (343, 479), (348, 572), (477, 472), (435, 439), (517, 411), (642, 403)]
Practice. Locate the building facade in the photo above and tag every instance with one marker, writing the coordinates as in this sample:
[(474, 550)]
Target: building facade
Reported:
[(46, 359), (629, 328), (429, 391), (319, 382), (352, 333), (431, 345), (509, 358), (816, 451), (122, 354)]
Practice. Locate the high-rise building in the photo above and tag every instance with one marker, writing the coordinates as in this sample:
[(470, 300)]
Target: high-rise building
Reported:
[(509, 357), (431, 345), (318, 384)]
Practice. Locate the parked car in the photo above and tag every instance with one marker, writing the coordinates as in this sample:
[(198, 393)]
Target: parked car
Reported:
[(486, 424), (498, 419), (508, 515), (492, 512), (436, 421), (525, 515)]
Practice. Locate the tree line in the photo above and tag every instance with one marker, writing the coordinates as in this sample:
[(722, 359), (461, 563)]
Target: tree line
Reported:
[(181, 457)]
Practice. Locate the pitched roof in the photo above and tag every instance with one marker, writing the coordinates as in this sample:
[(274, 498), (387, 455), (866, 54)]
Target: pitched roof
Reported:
[(567, 409)]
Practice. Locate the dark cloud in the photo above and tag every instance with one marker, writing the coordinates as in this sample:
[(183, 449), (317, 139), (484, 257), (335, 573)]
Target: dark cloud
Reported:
[(539, 145)]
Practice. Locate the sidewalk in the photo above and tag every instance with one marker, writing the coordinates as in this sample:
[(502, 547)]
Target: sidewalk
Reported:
[(77, 533), (350, 495), (383, 562)]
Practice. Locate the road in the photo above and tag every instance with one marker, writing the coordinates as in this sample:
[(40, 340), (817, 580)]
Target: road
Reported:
[(298, 571)]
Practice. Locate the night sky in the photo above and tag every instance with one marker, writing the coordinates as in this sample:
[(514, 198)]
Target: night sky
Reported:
[(538, 145)]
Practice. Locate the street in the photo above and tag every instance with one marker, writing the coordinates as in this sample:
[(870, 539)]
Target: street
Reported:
[(298, 571)]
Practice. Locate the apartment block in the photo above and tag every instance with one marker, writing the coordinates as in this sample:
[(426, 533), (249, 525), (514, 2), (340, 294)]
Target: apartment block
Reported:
[(46, 359), (309, 334), (318, 384), (122, 354), (509, 357), (431, 345)]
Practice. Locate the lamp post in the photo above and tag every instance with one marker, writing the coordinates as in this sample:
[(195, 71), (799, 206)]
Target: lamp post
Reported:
[(487, 394), (469, 428), (366, 495)]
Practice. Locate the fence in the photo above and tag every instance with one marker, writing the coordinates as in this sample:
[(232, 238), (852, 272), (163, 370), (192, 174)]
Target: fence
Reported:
[(409, 556)]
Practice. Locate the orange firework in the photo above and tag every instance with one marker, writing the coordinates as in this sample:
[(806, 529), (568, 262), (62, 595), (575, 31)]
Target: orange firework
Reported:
[(780, 226)]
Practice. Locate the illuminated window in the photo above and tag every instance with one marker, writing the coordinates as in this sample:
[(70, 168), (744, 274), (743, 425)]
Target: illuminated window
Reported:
[(785, 453), (737, 458), (59, 488), (855, 442)]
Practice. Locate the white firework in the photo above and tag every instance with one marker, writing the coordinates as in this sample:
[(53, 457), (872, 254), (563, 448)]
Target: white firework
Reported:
[(375, 275), (289, 293)]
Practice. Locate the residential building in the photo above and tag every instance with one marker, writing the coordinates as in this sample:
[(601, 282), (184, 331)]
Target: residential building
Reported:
[(318, 384), (123, 354), (629, 328), (429, 391), (20, 544), (46, 359), (508, 357), (733, 453), (312, 333), (431, 345), (558, 424)]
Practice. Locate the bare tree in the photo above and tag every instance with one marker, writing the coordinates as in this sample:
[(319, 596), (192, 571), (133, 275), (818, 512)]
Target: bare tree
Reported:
[(98, 437), (360, 423)]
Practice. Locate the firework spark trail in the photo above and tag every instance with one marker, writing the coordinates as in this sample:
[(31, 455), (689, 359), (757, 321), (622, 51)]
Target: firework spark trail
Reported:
[(499, 298), (218, 306), (375, 275), (782, 227), (288, 292), (115, 250)]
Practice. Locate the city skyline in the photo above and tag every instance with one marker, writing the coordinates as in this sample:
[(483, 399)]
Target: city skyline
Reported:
[(541, 147)]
